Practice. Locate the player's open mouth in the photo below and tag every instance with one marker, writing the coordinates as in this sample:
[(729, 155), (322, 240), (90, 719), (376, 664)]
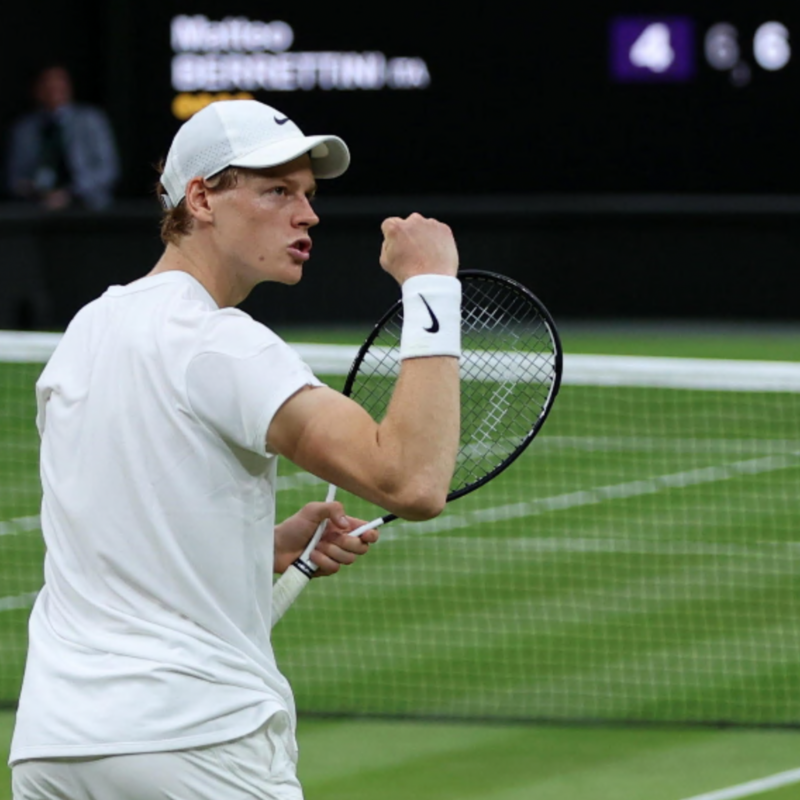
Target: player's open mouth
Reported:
[(301, 249)]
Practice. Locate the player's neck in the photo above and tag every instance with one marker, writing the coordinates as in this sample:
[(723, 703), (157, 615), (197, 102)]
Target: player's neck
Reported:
[(215, 278)]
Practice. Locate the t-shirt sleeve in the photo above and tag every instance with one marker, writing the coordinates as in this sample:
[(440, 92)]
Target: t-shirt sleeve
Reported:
[(236, 386)]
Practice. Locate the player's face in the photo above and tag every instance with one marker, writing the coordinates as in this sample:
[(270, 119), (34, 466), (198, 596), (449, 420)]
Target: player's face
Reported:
[(264, 222)]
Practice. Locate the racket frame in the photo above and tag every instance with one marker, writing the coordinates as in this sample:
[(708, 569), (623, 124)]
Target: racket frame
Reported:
[(302, 568), (548, 404)]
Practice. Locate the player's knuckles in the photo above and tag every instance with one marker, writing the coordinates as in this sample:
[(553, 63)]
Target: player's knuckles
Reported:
[(417, 223), (325, 564), (353, 544), (338, 554), (345, 557), (334, 509), (319, 511), (356, 550), (390, 225), (441, 231), (316, 509), (350, 544)]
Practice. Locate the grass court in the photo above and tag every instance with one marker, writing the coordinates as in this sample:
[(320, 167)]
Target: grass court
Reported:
[(637, 566)]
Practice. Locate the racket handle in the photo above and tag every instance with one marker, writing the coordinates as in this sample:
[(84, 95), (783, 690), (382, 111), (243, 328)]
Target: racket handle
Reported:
[(288, 588), (368, 526)]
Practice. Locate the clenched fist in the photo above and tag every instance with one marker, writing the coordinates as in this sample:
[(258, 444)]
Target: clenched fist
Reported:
[(417, 246)]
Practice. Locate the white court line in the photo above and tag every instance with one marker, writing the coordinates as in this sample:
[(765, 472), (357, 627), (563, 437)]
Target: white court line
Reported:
[(558, 502), (613, 444), (297, 479), (555, 503), (581, 370), (19, 525), (479, 547), (17, 601), (617, 491), (752, 787)]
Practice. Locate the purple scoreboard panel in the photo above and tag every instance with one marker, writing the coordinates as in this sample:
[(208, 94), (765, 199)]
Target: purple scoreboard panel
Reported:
[(652, 49)]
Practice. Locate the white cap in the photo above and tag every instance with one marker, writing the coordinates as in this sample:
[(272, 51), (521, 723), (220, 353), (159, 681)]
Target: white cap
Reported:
[(243, 133)]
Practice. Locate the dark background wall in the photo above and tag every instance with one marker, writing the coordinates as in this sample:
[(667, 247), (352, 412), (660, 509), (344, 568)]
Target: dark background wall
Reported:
[(588, 257), (519, 103), (668, 199)]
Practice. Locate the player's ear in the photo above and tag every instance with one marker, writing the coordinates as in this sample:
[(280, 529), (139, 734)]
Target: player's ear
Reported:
[(198, 200)]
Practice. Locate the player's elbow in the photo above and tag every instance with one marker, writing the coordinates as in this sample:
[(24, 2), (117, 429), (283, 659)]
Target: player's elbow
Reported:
[(420, 502), (411, 492)]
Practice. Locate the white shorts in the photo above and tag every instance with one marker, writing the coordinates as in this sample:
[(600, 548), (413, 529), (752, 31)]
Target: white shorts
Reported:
[(260, 766)]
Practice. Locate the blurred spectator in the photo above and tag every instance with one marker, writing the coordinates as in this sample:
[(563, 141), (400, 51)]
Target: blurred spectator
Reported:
[(62, 153)]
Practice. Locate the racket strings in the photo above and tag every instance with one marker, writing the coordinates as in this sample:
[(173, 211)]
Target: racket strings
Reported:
[(508, 369)]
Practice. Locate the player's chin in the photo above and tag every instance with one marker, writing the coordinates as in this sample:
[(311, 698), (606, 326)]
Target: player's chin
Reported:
[(295, 276), (290, 274)]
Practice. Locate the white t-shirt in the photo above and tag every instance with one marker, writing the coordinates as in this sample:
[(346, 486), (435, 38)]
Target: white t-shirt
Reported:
[(152, 631)]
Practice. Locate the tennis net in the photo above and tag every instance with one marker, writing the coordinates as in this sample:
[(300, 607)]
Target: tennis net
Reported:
[(640, 562)]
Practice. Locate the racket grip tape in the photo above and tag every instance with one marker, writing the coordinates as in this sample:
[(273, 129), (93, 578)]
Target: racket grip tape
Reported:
[(288, 588)]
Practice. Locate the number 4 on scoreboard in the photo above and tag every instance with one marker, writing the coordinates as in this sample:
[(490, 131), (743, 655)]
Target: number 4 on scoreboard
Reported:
[(653, 48)]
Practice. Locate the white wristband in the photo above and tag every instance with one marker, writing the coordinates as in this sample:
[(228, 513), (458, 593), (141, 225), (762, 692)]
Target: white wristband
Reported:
[(431, 317)]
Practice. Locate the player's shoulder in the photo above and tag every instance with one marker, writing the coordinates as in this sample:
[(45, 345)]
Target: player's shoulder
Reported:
[(168, 316), (77, 348), (184, 318), (83, 327), (233, 332)]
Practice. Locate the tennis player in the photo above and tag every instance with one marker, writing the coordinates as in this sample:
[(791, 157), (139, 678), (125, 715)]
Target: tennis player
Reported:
[(150, 671)]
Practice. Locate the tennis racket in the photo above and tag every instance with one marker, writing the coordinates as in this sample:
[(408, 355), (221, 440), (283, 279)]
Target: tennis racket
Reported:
[(511, 362)]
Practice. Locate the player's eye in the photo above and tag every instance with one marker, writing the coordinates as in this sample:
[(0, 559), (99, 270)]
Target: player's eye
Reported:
[(279, 190)]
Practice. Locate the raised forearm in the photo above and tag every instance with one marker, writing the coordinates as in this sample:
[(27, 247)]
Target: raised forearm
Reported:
[(421, 432)]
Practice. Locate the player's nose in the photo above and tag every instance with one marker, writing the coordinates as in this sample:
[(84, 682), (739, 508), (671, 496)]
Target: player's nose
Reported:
[(306, 216)]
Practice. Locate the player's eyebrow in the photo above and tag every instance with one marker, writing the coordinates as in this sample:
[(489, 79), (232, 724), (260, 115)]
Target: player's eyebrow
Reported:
[(271, 173), (311, 191)]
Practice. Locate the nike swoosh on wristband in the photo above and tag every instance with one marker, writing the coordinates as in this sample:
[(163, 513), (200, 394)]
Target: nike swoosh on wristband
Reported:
[(434, 328), (281, 121)]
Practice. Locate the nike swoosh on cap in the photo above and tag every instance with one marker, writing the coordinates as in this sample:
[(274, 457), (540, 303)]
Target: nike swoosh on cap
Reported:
[(281, 121), (434, 328)]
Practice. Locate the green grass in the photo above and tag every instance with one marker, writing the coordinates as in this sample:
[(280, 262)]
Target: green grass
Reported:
[(671, 603), (737, 342), (785, 793), (352, 760), (447, 762), (638, 563)]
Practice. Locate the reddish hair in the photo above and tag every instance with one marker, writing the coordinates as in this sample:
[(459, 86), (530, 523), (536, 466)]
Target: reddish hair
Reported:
[(177, 222)]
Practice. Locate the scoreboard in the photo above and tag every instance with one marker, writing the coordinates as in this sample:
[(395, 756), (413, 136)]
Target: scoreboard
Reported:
[(664, 49), (610, 97)]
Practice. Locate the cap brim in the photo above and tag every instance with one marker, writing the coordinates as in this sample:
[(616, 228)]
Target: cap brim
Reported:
[(330, 157)]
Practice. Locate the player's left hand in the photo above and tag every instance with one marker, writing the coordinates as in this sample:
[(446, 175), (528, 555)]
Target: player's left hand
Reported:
[(335, 548)]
